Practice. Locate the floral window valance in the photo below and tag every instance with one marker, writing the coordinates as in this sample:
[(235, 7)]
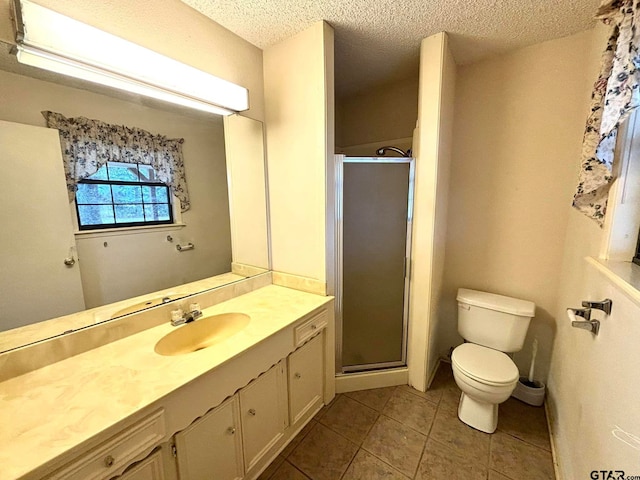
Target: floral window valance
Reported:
[(87, 145), (615, 96)]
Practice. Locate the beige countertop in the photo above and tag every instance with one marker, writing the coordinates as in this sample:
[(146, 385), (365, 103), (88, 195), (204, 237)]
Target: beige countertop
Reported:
[(49, 411)]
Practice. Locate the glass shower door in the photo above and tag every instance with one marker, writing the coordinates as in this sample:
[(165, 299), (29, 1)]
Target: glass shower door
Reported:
[(376, 205)]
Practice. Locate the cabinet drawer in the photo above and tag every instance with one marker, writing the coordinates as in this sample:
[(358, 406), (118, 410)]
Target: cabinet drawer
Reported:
[(108, 458), (309, 328)]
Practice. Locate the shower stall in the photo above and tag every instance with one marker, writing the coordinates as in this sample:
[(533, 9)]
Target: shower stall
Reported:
[(374, 203)]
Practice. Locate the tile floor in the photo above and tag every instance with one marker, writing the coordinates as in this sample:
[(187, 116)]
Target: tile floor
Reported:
[(398, 433)]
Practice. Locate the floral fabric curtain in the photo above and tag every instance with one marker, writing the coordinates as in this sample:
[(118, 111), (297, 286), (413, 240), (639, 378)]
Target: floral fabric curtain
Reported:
[(615, 96), (87, 145)]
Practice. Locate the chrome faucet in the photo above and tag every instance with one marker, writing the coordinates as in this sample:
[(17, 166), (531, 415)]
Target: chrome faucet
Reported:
[(192, 315), (179, 318)]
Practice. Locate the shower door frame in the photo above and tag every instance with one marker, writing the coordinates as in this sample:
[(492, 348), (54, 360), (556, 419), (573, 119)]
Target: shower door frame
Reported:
[(340, 160)]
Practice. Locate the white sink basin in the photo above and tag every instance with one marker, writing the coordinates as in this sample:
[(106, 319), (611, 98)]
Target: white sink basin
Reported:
[(202, 333)]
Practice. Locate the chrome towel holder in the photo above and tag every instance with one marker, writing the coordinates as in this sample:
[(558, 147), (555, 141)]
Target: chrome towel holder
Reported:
[(587, 324), (185, 247)]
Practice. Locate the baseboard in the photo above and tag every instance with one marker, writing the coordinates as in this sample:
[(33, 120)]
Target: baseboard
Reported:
[(552, 440), (350, 382)]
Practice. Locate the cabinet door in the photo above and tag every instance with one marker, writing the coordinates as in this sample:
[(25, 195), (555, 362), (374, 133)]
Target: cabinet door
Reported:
[(305, 378), (149, 469), (211, 447), (263, 406)]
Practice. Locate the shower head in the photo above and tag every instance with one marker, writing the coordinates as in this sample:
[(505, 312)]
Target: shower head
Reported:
[(382, 150)]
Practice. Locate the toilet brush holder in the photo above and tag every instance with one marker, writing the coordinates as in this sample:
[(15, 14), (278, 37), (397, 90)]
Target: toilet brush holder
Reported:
[(529, 392)]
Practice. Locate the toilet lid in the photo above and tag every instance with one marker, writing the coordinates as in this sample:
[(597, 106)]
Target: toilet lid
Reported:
[(485, 364)]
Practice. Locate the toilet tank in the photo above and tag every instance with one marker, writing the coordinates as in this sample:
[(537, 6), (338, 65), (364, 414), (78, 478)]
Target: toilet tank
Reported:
[(494, 321)]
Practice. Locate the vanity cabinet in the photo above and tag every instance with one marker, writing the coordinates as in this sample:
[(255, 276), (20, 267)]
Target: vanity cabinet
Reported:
[(263, 405), (148, 469), (115, 454), (305, 378), (240, 431), (211, 447), (227, 422)]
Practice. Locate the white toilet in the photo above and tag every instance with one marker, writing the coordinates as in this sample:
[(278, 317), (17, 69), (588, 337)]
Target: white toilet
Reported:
[(493, 324)]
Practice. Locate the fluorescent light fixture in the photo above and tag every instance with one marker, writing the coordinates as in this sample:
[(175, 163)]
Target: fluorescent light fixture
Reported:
[(49, 40)]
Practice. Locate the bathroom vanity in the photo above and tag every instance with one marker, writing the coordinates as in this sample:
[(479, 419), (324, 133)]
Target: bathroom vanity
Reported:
[(121, 410)]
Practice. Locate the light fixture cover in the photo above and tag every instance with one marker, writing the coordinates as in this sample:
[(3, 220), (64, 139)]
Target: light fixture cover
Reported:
[(49, 40)]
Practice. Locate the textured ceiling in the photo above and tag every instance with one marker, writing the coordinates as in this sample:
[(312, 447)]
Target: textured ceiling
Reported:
[(378, 41)]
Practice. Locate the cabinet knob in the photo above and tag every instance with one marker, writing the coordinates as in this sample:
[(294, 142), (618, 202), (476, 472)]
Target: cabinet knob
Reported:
[(109, 461), (252, 412), (231, 430), (297, 375), (313, 327)]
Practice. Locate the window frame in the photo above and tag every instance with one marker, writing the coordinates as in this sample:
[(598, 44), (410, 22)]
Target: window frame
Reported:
[(621, 236), (122, 225)]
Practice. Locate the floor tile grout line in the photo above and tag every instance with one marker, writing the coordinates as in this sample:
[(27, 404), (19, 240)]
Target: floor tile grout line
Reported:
[(406, 424), (350, 398), (361, 445), (274, 471), (413, 429), (447, 447), (349, 439), (301, 438), (370, 428), (437, 404), (424, 447), (294, 466), (491, 437), (343, 436), (369, 406), (523, 440), (409, 426), (350, 462), (501, 473), (385, 462)]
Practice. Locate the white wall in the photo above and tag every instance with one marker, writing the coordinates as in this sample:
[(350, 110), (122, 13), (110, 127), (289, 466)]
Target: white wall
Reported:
[(433, 156), (246, 170), (171, 28), (298, 80), (130, 265), (384, 115), (593, 382), (519, 120)]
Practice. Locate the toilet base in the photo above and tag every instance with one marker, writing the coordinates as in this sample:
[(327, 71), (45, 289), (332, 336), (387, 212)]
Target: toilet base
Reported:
[(479, 415)]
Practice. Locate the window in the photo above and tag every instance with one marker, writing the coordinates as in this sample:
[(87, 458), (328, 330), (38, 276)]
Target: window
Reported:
[(621, 241), (123, 195)]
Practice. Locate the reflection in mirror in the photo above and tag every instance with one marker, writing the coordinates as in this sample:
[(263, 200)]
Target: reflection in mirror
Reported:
[(137, 267)]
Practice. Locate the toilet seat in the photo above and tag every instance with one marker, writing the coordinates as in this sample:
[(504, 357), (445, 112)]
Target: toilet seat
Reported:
[(485, 365)]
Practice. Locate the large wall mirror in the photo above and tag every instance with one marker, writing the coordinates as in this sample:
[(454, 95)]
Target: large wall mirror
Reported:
[(118, 272)]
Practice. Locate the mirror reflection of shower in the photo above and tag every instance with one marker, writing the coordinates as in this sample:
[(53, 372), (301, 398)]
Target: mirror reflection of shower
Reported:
[(381, 151)]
